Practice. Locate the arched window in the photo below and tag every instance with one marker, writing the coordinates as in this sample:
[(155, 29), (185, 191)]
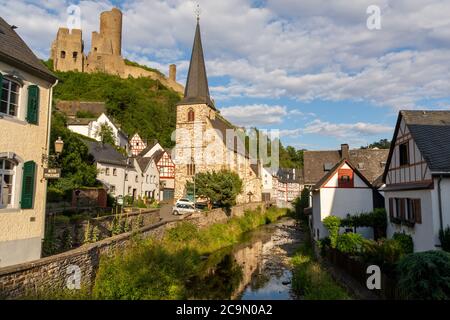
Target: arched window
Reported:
[(191, 115)]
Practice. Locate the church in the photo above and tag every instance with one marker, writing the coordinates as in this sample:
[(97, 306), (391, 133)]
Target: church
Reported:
[(205, 141)]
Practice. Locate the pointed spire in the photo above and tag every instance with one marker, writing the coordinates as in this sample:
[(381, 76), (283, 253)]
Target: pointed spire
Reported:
[(197, 90)]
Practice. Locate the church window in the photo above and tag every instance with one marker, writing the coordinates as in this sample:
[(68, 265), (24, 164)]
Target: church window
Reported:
[(63, 54), (191, 115)]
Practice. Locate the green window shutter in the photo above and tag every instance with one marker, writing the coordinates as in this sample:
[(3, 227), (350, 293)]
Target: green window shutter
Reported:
[(1, 84), (33, 104), (28, 181)]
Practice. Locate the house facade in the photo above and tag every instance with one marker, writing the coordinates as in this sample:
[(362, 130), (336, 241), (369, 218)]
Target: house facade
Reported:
[(417, 177), (149, 178), (165, 167), (289, 184), (137, 145), (90, 128), (25, 113), (205, 141), (269, 184), (342, 191)]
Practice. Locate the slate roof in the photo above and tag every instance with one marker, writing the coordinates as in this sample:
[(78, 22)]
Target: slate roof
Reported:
[(106, 153), (431, 132), (330, 173), (369, 162), (149, 146), (14, 51), (143, 162), (79, 121), (197, 89)]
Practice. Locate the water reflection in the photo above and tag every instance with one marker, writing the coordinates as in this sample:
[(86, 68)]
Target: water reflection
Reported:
[(242, 272)]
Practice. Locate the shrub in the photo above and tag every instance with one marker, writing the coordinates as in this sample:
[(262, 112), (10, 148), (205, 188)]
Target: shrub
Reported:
[(62, 219), (332, 223), (405, 241), (425, 275), (349, 243), (376, 220), (383, 252), (444, 237)]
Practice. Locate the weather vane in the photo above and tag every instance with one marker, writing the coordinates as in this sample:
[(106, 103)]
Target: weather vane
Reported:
[(198, 11)]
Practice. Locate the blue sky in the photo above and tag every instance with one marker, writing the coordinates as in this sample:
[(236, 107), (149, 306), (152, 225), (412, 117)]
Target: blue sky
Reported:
[(310, 68)]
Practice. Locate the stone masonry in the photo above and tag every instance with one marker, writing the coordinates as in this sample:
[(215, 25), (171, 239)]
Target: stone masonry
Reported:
[(67, 52)]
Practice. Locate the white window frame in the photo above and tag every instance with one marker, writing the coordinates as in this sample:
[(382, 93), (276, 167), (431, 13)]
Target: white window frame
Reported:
[(13, 172), (8, 102)]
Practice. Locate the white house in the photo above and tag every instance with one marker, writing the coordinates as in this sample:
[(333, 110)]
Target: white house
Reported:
[(149, 177), (417, 177), (26, 88), (90, 128), (165, 166), (269, 183), (342, 191)]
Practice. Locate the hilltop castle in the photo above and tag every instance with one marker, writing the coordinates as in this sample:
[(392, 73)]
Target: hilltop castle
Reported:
[(67, 52)]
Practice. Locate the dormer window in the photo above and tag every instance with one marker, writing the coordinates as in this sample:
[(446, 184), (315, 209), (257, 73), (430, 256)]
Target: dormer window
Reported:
[(404, 154), (345, 178), (191, 115)]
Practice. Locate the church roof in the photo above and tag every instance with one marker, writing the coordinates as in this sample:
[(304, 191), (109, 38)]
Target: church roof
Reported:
[(197, 89)]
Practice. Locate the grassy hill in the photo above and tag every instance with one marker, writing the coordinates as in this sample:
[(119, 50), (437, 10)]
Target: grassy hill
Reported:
[(140, 105)]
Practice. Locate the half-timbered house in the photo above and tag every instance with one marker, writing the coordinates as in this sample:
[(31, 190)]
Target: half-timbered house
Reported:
[(417, 177)]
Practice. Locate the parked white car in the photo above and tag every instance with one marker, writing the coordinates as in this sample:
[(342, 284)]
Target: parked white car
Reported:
[(183, 208), (184, 201)]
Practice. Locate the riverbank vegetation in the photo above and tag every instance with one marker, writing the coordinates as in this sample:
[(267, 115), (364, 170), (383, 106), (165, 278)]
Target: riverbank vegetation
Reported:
[(310, 280), (166, 269), (179, 266)]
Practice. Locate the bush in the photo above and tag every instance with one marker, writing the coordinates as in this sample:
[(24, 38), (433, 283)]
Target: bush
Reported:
[(332, 223), (425, 275), (444, 237), (349, 243), (382, 252), (376, 220), (405, 241)]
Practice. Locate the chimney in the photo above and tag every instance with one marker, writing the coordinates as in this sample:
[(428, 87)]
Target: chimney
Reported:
[(345, 151), (173, 72)]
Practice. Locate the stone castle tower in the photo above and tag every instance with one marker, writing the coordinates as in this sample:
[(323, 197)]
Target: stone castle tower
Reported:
[(202, 134), (67, 50), (105, 54)]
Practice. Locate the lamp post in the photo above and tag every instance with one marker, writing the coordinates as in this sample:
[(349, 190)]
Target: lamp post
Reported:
[(49, 159)]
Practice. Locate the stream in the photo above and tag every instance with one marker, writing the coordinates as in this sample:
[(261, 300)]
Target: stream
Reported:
[(257, 268)]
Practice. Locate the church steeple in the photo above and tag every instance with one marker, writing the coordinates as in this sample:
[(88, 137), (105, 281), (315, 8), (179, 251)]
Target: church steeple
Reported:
[(197, 90)]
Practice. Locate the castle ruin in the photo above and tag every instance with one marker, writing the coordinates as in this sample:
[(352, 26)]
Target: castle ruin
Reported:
[(105, 55)]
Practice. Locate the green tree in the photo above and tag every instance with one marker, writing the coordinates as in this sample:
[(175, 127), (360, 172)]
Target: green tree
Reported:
[(217, 186), (77, 166), (381, 144), (106, 134), (301, 203)]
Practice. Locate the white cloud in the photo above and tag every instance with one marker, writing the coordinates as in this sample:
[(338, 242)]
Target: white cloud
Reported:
[(345, 130), (254, 115), (309, 49), (291, 133)]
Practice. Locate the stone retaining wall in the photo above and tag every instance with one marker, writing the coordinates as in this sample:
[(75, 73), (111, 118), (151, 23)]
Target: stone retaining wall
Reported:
[(52, 272)]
